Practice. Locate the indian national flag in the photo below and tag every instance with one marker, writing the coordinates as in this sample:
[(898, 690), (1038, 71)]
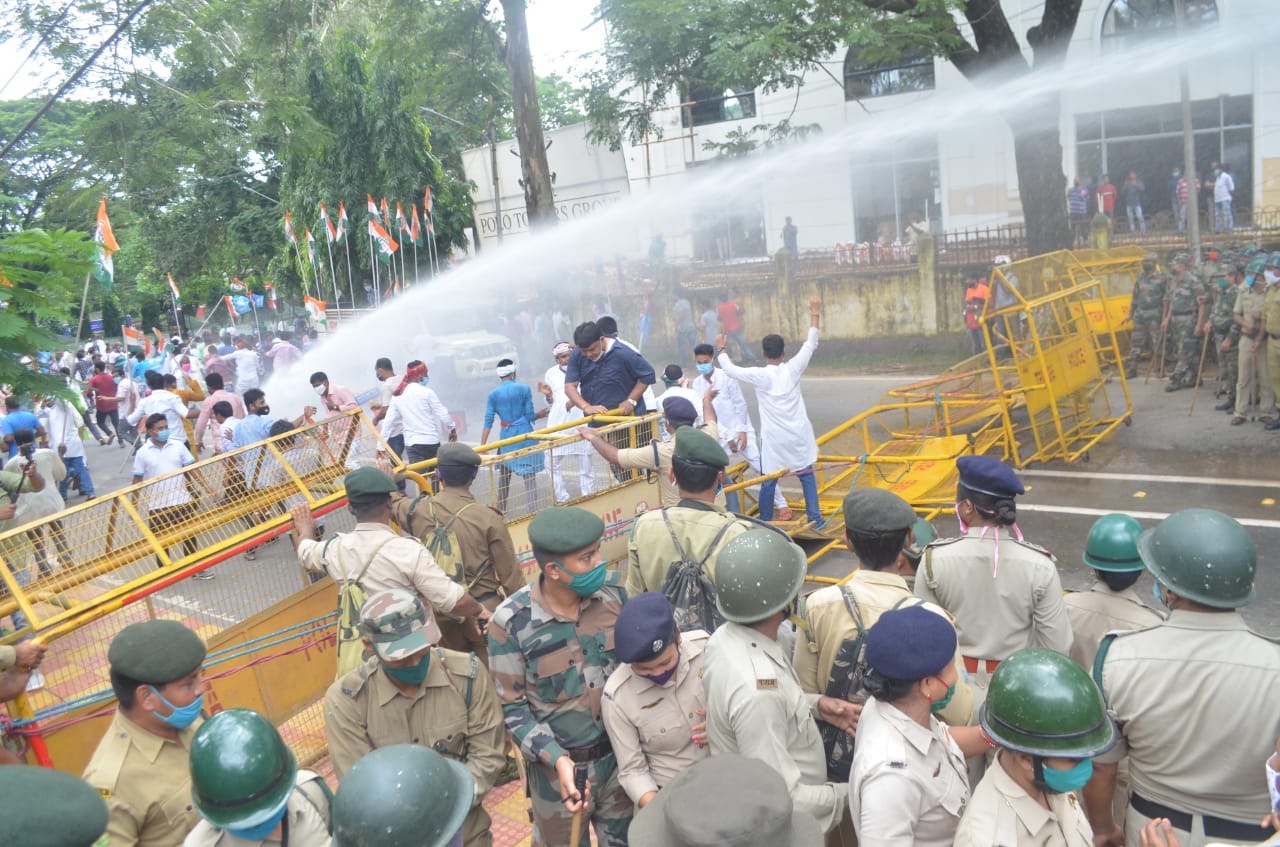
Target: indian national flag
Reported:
[(315, 308), (237, 286), (386, 215), (428, 202), (329, 230), (402, 223), (177, 295), (104, 271), (288, 230), (134, 337), (343, 226), (311, 249), (373, 209), (415, 229), (384, 244), (162, 338), (271, 295)]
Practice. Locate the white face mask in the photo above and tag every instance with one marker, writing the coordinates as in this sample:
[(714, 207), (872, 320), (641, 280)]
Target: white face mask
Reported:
[(321, 389), (1271, 276)]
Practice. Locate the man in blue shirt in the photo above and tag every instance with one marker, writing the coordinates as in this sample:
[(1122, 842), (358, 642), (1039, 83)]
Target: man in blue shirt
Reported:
[(604, 374), (16, 419)]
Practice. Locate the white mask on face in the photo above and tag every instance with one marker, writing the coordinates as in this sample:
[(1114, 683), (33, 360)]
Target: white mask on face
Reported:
[(320, 389), (1271, 276)]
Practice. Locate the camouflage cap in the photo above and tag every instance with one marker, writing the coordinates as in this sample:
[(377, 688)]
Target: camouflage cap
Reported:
[(876, 510), (565, 529), (694, 445), (1180, 259), (155, 652), (367, 484), (397, 624), (1151, 257), (455, 453)]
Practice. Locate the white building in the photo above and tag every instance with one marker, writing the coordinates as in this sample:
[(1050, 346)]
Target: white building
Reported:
[(963, 175)]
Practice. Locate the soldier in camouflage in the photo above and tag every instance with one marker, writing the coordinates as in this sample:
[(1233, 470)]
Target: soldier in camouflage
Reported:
[(551, 649), (1186, 306), (1147, 309), (1226, 334)]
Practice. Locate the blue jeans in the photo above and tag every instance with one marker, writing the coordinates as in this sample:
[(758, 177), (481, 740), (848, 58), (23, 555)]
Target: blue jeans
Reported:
[(1135, 212), (736, 338), (808, 484), (1223, 219), (76, 467)]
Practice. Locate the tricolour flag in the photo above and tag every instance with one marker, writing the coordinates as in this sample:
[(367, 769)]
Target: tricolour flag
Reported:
[(402, 223), (373, 209), (288, 230), (134, 337), (329, 230), (311, 249), (162, 338), (177, 295), (343, 226), (428, 202), (415, 230), (104, 271), (271, 295), (231, 307), (386, 215), (315, 308), (384, 244), (237, 286)]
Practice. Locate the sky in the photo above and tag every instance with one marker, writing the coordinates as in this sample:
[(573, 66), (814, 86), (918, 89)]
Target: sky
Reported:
[(556, 37)]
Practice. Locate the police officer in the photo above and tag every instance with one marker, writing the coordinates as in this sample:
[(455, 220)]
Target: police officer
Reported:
[(1003, 592), (1183, 322), (413, 691), (695, 528), (1226, 334), (727, 799), (909, 782), (376, 554), (1271, 325), (653, 704), (48, 808), (1194, 696), (491, 571), (1111, 603), (140, 765), (550, 650), (402, 796), (755, 705), (1253, 380), (1146, 306), (1049, 721), (247, 787)]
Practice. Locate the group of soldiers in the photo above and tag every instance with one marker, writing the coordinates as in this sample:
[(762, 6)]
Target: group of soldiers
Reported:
[(1224, 305)]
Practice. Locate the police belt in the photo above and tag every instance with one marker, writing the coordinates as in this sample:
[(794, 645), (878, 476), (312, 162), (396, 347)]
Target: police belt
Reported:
[(1213, 827), (973, 665), (591, 752)]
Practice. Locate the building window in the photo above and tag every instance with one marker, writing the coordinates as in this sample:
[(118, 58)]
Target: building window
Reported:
[(910, 70), (712, 105), (1129, 22), (893, 189), (1148, 141)]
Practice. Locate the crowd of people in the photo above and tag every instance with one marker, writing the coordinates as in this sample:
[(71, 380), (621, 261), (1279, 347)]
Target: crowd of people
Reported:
[(1215, 198)]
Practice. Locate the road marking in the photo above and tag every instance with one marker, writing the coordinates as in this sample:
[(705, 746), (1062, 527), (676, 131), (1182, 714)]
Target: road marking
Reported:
[(1182, 480), (1154, 516)]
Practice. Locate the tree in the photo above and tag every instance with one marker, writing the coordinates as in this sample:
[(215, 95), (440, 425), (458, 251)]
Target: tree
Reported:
[(560, 102), (538, 199), (659, 49)]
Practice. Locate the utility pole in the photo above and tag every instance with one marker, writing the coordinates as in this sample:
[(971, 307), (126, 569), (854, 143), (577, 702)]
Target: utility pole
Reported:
[(1188, 147)]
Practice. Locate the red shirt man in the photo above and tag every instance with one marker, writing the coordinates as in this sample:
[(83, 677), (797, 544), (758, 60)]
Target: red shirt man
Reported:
[(1106, 196), (103, 386)]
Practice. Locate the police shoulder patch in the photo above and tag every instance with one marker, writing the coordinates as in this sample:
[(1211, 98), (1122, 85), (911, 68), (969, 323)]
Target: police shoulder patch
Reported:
[(942, 542), (1036, 547), (766, 684)]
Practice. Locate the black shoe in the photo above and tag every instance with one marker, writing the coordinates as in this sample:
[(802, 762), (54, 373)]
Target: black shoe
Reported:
[(1225, 406)]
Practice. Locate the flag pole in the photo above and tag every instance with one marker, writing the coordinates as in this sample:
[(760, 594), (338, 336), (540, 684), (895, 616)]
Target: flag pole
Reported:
[(257, 328), (332, 274), (417, 279), (221, 301), (351, 286), (373, 264), (84, 303)]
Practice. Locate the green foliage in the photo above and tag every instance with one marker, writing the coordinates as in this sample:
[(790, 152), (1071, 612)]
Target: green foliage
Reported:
[(560, 101), (45, 271)]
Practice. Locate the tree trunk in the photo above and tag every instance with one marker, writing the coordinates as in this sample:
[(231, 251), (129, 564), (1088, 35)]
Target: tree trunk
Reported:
[(538, 199), (1042, 186)]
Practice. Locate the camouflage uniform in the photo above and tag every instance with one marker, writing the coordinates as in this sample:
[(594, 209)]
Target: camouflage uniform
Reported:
[(1147, 308), (550, 674), (1225, 329), (1184, 311)]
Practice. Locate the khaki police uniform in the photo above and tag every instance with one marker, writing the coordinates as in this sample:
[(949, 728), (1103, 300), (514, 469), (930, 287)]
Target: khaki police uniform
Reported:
[(755, 707), (830, 625), (656, 456), (1001, 813), (307, 825), (1252, 367), (908, 784), (1194, 699), (1100, 610), (1271, 315), (456, 713), (696, 524), (490, 567), (651, 726), (397, 562), (146, 781)]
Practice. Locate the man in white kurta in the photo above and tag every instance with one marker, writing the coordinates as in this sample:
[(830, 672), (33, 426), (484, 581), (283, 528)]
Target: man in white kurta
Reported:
[(786, 435), (563, 412)]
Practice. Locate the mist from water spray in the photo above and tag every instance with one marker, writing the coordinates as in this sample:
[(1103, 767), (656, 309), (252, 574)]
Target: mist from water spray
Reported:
[(399, 328)]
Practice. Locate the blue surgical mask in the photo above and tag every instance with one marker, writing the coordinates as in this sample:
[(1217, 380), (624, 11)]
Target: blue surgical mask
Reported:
[(1250, 279), (1072, 779), (705, 368), (183, 716), (665, 676), (423, 382), (262, 830), (586, 584), (162, 436)]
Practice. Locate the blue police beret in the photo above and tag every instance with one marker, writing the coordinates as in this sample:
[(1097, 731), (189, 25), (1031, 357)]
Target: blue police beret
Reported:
[(988, 475), (679, 409), (646, 626), (910, 643)]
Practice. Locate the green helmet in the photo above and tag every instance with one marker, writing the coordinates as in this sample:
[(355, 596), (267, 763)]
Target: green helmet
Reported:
[(241, 771), (1203, 555), (1041, 703), (1113, 544), (1249, 249), (1273, 261), (1257, 266), (1180, 259), (757, 575), (405, 795)]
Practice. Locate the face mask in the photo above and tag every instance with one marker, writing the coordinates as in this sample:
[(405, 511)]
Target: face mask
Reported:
[(1072, 779), (186, 366), (423, 382), (1223, 283), (411, 675), (1250, 280), (939, 705), (1271, 277), (183, 716), (264, 410), (586, 584), (705, 368), (162, 436), (662, 678), (263, 830), (321, 389)]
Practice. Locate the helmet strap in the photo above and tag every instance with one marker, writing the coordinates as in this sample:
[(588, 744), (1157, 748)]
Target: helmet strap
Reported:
[(1037, 775)]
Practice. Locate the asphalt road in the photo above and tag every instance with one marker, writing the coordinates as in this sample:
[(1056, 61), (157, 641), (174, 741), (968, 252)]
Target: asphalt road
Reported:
[(1166, 461)]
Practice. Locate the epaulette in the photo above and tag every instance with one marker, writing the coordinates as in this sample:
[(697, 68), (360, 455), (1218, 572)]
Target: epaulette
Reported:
[(461, 664), (942, 542), (1036, 547), (354, 682)]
